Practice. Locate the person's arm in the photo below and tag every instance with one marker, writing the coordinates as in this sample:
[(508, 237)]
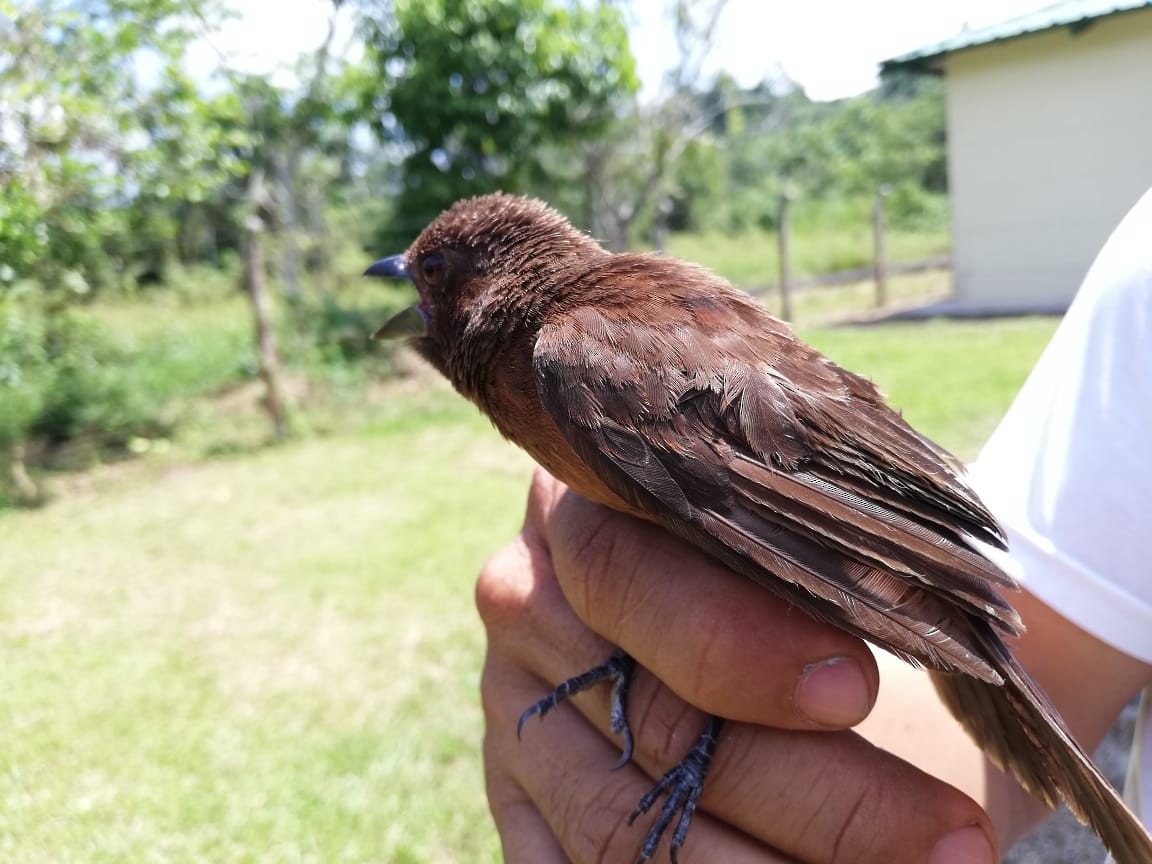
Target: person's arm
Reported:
[(783, 787), (1089, 681)]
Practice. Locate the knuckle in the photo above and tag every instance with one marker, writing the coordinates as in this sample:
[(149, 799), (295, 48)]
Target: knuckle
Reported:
[(842, 818), (500, 787), (598, 548), (543, 492), (493, 701), (601, 833), (664, 725), (604, 577), (736, 758), (595, 541), (504, 586), (854, 837), (705, 679)]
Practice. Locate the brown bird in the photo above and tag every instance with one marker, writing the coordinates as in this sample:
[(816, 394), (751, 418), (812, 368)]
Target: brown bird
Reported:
[(654, 387)]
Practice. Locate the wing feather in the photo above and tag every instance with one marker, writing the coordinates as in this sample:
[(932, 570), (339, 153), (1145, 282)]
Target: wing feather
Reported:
[(870, 530)]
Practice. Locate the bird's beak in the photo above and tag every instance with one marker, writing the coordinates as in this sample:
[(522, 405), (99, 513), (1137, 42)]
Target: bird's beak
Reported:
[(392, 266), (408, 323)]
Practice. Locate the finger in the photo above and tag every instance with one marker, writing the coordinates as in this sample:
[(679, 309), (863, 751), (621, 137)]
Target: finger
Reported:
[(528, 619), (700, 628), (525, 836), (818, 796), (563, 769)]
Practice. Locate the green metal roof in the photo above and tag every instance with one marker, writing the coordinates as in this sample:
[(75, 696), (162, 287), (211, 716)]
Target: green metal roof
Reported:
[(1074, 14)]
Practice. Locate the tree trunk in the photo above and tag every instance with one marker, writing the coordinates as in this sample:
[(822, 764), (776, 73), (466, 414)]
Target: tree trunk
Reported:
[(784, 238), (27, 492), (620, 229), (660, 225), (879, 248), (318, 264), (593, 181), (286, 170), (256, 287)]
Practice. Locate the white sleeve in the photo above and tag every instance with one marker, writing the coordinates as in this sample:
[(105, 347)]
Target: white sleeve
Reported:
[(1069, 470)]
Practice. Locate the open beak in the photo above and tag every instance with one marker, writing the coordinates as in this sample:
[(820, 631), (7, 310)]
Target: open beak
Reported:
[(406, 324), (409, 323)]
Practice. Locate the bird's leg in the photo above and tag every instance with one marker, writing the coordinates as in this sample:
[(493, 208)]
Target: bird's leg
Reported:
[(618, 669), (682, 786)]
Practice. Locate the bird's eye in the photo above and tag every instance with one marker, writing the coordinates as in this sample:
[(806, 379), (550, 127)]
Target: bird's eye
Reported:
[(433, 268)]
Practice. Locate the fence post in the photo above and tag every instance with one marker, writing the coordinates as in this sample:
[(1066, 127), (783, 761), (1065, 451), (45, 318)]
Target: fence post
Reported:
[(879, 246), (784, 237)]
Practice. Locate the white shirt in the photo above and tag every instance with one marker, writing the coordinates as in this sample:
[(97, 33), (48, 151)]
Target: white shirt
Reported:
[(1069, 469)]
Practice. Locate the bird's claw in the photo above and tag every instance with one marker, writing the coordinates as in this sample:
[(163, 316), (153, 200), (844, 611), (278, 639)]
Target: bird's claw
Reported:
[(618, 669), (682, 785)]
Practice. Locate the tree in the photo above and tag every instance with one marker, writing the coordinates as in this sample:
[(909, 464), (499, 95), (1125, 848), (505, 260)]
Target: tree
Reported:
[(631, 171), (772, 138), (82, 87), (479, 93)]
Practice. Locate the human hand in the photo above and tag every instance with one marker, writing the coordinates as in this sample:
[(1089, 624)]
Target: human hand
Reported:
[(788, 781)]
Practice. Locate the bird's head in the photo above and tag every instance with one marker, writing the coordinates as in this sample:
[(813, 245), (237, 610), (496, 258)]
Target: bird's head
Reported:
[(482, 269)]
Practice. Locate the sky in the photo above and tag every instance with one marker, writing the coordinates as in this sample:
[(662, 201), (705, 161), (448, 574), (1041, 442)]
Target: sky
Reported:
[(830, 47)]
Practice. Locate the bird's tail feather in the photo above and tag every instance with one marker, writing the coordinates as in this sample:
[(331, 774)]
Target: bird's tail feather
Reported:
[(1019, 729)]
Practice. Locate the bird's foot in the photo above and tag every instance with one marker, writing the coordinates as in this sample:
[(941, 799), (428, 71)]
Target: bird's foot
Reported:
[(618, 669), (682, 786)]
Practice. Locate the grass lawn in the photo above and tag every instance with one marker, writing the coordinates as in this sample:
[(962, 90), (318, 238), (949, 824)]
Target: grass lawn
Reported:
[(952, 380), (751, 260), (273, 656)]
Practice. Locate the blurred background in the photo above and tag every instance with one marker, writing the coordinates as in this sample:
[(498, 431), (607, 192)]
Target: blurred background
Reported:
[(237, 557)]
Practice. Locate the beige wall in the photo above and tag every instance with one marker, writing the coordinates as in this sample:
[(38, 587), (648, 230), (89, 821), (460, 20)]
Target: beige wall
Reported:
[(1050, 142)]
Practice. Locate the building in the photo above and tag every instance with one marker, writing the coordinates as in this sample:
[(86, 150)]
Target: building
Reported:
[(1049, 144)]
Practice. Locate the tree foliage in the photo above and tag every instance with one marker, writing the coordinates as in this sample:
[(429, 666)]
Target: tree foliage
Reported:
[(87, 89), (479, 93), (119, 170), (777, 140)]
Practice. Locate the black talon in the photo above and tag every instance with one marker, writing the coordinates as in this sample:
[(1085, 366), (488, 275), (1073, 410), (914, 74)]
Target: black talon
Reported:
[(683, 785), (618, 668), (618, 717)]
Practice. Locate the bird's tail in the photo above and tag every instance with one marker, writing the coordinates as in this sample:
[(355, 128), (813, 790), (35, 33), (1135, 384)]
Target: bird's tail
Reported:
[(1022, 732)]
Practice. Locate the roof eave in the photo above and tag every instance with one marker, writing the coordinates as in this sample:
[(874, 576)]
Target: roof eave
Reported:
[(930, 60), (933, 64)]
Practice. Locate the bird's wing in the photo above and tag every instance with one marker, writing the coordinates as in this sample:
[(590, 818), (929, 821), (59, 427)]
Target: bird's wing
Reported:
[(705, 412)]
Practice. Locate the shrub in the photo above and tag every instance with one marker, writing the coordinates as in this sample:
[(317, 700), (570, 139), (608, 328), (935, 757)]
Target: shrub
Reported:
[(24, 371), (92, 392), (101, 376)]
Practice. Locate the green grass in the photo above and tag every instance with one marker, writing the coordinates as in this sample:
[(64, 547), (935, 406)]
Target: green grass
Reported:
[(274, 657), (181, 351), (952, 380), (856, 301), (751, 260)]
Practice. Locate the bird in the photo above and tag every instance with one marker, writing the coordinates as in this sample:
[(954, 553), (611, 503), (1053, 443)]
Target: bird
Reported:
[(654, 387)]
